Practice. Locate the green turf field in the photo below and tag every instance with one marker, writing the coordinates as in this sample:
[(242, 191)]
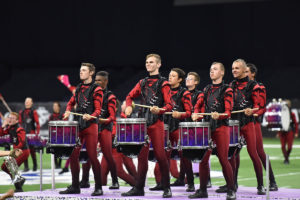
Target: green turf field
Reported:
[(287, 176)]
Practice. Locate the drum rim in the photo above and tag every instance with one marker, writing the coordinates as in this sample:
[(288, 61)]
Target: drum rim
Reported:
[(194, 124), (62, 123), (130, 120), (234, 122)]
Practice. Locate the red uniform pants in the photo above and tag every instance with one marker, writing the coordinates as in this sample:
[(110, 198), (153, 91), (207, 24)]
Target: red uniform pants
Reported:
[(221, 138), (286, 138), (88, 136), (156, 134)]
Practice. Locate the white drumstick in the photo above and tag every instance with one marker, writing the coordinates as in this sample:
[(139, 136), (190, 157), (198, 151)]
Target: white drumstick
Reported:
[(4, 103), (240, 111), (144, 106), (79, 114), (170, 113), (223, 114)]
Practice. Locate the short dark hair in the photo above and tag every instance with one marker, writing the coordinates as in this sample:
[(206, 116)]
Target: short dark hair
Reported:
[(103, 73), (252, 67), (180, 72), (91, 66)]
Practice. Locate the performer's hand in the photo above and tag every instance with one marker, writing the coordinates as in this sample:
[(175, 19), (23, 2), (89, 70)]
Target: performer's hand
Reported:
[(176, 115), (86, 117), (215, 115), (195, 116), (248, 111), (5, 122), (128, 110), (154, 110), (66, 115), (296, 135), (277, 135)]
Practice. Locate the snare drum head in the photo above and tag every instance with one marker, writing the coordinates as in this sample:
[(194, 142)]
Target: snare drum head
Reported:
[(131, 120), (285, 117), (63, 123), (194, 124)]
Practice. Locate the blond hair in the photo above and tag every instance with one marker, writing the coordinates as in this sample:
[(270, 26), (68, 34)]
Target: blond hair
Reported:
[(241, 61), (15, 114), (220, 64), (158, 58)]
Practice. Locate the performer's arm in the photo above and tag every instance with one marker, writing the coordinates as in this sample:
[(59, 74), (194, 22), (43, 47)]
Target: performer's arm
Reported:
[(295, 122), (187, 103), (111, 109), (21, 138), (3, 131), (166, 91), (4, 153), (71, 103), (255, 98), (36, 120), (228, 102), (98, 100), (135, 92), (199, 106), (20, 117)]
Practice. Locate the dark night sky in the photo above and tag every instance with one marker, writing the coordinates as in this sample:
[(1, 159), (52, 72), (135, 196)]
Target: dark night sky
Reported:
[(42, 39)]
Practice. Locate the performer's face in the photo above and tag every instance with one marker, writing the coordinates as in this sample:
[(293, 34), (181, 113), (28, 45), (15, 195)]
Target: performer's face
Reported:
[(152, 65), (174, 79), (238, 71), (102, 81), (56, 108), (85, 73), (249, 73), (12, 119), (216, 72), (190, 81), (28, 103)]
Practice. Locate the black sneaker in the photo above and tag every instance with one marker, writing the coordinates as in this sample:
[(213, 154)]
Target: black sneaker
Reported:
[(97, 192), (178, 183), (231, 195), (26, 169), (70, 190), (64, 170), (273, 186), (34, 168), (84, 184), (199, 194), (286, 162), (222, 189), (191, 188), (261, 190), (134, 192), (158, 187), (114, 186), (167, 193)]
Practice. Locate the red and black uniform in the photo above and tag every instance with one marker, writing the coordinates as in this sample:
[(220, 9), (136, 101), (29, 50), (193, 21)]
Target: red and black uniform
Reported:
[(89, 98), (18, 139), (181, 99), (217, 98), (287, 138), (155, 91), (246, 95), (105, 135), (258, 133), (29, 120)]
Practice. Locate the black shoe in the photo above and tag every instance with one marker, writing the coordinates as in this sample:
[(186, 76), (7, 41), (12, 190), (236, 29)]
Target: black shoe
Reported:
[(222, 189), (167, 193), (19, 183), (273, 186), (84, 184), (286, 162), (34, 168), (114, 186), (209, 184), (19, 190), (231, 195), (26, 169), (70, 190), (65, 169), (178, 183), (261, 190), (134, 192), (199, 194), (97, 192), (191, 188), (157, 187)]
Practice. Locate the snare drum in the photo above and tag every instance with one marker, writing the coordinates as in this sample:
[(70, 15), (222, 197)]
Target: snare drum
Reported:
[(194, 139), (131, 134), (151, 156), (234, 142), (63, 136), (277, 116)]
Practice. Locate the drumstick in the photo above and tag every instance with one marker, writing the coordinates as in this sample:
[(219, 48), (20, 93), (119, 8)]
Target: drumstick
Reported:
[(79, 114), (210, 114), (4, 103), (144, 106), (170, 113), (240, 111)]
